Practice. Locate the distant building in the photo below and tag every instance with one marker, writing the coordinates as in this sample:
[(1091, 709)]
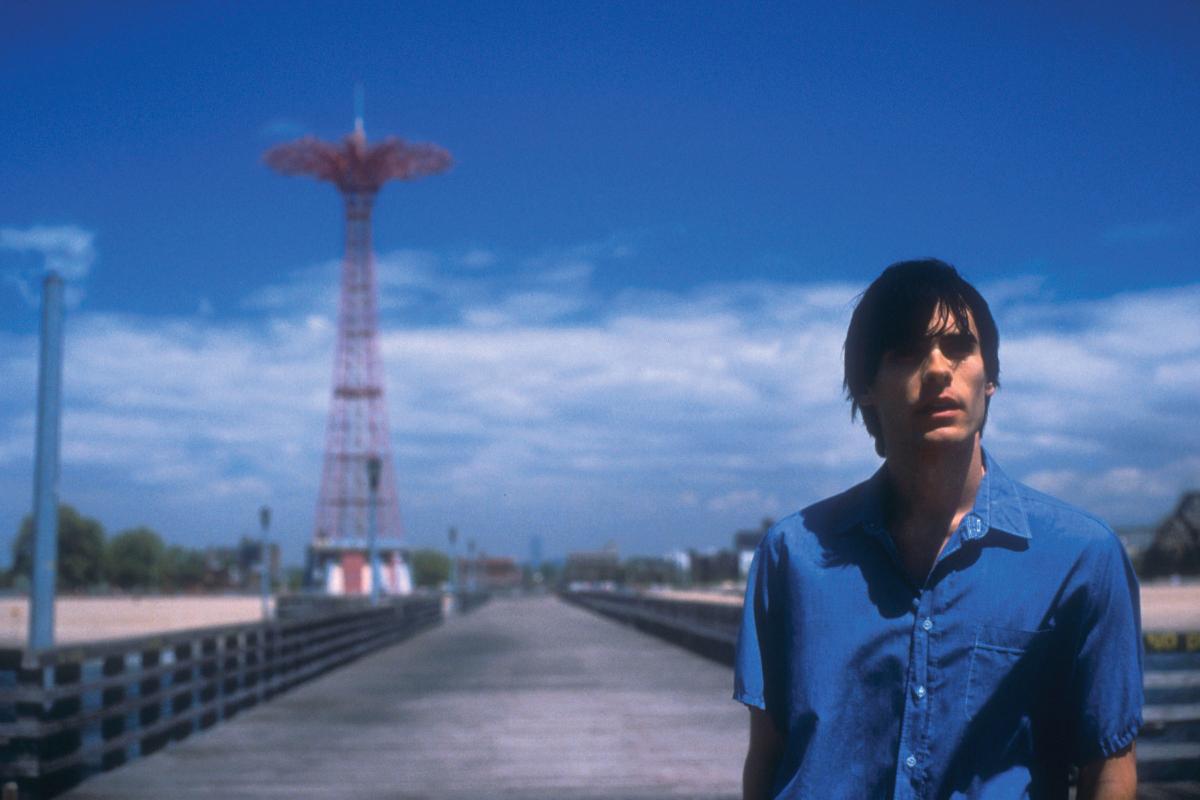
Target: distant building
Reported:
[(340, 567), (249, 561), (714, 566), (1136, 539), (650, 571), (535, 552), (239, 566), (499, 573), (681, 560), (745, 542), (489, 573), (592, 567), (1176, 546)]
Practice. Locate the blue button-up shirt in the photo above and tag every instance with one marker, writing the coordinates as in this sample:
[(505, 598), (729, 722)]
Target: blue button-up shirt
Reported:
[(1018, 656)]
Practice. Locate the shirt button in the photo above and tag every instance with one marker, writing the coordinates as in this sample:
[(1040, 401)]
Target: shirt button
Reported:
[(910, 762), (927, 624), (920, 692)]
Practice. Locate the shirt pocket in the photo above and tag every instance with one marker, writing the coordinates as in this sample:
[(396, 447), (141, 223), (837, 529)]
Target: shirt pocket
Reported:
[(1003, 674)]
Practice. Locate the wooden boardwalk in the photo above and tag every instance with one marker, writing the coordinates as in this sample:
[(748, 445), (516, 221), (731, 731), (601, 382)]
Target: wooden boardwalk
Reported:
[(524, 698)]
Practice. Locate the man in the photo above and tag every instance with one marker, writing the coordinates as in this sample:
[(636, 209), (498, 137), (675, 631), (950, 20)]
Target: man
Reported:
[(940, 630)]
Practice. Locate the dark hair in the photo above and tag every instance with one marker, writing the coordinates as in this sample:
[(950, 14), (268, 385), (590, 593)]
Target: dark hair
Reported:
[(895, 311)]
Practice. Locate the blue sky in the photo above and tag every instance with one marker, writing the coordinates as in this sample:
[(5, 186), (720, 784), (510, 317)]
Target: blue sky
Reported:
[(619, 316)]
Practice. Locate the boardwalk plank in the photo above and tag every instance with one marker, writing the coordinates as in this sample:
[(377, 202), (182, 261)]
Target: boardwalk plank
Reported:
[(525, 698)]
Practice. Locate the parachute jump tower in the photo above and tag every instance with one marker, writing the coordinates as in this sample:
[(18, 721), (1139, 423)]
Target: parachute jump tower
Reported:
[(358, 480)]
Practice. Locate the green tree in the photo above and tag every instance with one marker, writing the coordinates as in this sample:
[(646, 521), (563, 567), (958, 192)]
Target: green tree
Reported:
[(293, 579), (136, 559), (430, 568), (80, 550), (184, 569)]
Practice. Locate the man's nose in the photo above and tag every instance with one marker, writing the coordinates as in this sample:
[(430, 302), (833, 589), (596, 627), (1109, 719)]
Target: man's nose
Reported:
[(937, 367)]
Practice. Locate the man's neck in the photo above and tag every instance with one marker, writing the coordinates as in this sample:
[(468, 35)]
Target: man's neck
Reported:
[(932, 489)]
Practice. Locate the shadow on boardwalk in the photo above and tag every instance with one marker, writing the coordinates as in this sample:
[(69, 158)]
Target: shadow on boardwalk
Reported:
[(525, 698)]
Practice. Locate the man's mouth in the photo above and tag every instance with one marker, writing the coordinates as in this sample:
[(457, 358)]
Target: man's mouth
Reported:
[(939, 405)]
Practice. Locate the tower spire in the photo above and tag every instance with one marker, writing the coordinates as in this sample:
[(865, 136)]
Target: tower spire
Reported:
[(357, 431), (359, 102)]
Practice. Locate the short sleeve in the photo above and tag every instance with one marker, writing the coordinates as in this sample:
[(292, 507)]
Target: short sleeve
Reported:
[(756, 660), (1107, 677)]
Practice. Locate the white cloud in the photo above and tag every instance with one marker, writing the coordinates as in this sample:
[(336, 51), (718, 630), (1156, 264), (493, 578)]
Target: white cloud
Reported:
[(568, 272), (1022, 288), (654, 419), (65, 249), (429, 288), (1113, 378), (745, 501), (1153, 230), (1128, 492), (478, 258), (283, 128), (524, 307), (1179, 376)]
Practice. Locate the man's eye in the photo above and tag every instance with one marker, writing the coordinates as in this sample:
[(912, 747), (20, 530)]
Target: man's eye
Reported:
[(908, 352), (958, 346)]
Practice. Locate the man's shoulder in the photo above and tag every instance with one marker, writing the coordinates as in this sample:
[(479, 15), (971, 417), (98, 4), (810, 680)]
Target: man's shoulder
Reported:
[(1054, 520), (826, 517), (1045, 508)]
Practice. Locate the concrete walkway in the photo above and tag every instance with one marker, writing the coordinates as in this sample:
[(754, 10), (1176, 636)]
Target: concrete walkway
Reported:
[(525, 698)]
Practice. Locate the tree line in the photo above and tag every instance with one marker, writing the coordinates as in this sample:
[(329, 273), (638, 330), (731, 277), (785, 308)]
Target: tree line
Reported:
[(135, 559), (138, 560)]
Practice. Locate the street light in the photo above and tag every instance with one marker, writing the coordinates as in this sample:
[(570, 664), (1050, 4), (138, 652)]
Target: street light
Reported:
[(452, 534), (374, 465), (470, 565), (46, 461), (264, 521)]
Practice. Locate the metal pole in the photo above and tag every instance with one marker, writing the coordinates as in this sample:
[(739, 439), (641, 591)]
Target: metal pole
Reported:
[(264, 520), (453, 536), (471, 565), (455, 600), (373, 468), (45, 476)]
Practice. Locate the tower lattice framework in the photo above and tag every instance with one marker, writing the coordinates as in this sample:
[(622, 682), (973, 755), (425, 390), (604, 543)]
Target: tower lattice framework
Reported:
[(357, 428)]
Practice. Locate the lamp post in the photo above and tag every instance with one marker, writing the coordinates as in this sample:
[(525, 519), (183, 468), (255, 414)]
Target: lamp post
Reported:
[(45, 476), (264, 521), (374, 465), (470, 565), (452, 534)]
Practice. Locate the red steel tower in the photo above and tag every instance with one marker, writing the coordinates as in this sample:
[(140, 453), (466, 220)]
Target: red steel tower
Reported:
[(357, 428)]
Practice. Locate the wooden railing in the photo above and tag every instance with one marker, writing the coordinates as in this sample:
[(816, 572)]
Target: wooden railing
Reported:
[(74, 710), (710, 629), (467, 601), (1169, 745)]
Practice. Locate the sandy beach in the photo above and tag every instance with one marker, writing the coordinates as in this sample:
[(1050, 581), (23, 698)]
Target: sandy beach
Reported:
[(80, 619), (1165, 607)]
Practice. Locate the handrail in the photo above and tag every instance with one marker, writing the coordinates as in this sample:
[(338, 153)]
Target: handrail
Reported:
[(1169, 745), (70, 711)]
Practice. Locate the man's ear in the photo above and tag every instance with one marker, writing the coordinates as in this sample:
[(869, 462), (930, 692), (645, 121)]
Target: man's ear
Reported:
[(989, 389), (865, 400)]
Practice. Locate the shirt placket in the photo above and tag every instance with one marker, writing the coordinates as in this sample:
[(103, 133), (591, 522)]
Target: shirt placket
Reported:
[(911, 763), (913, 750)]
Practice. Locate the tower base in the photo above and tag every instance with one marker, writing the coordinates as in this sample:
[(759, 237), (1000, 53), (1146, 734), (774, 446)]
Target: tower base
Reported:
[(344, 568)]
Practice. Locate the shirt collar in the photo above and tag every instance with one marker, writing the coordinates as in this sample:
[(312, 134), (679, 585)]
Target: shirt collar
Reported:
[(997, 506), (1002, 508)]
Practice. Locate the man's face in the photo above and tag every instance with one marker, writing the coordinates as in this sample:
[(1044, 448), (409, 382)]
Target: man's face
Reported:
[(933, 391)]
